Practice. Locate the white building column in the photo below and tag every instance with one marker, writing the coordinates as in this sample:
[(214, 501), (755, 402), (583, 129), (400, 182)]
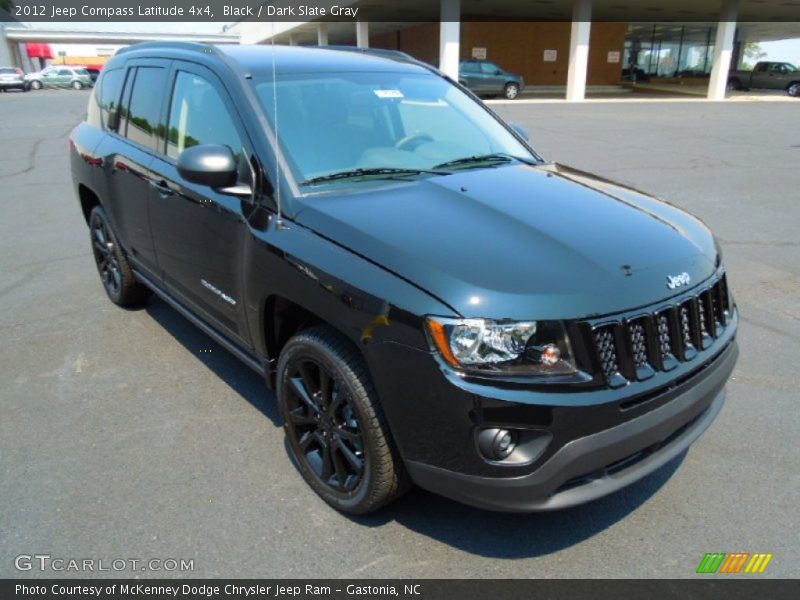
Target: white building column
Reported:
[(362, 34), (450, 38), (723, 50), (579, 50), (322, 34), (292, 39)]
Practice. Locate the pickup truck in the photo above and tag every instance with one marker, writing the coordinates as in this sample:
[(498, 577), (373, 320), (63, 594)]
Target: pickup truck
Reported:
[(769, 75)]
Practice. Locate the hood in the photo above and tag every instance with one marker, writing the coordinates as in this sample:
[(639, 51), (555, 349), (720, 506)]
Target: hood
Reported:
[(519, 241)]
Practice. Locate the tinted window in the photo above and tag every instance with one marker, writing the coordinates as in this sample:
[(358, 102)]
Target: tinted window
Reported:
[(198, 115), (107, 97), (761, 67), (6, 70), (330, 122), (489, 68), (470, 67), (66, 72), (144, 109)]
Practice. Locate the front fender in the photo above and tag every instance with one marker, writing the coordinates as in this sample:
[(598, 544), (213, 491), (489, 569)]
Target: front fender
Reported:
[(361, 299)]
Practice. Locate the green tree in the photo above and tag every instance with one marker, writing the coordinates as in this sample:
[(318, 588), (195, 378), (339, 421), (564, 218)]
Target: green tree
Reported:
[(752, 54)]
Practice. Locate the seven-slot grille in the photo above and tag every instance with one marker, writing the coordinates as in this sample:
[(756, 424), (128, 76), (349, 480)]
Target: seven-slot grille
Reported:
[(634, 349)]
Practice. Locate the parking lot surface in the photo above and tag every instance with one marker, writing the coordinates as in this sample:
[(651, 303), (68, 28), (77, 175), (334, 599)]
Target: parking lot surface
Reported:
[(130, 435)]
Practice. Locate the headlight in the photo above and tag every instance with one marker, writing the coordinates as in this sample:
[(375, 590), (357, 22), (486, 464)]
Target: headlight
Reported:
[(515, 348)]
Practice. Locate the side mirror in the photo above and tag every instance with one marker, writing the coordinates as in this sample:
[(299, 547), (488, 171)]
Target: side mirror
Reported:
[(209, 164), (521, 131)]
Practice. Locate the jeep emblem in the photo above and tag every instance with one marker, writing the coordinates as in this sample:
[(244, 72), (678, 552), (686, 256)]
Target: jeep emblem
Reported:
[(676, 281)]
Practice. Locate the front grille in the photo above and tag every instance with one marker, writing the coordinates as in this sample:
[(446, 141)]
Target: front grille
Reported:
[(633, 349)]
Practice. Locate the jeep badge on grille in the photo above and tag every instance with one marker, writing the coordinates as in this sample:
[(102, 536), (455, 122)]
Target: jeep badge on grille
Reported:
[(676, 281)]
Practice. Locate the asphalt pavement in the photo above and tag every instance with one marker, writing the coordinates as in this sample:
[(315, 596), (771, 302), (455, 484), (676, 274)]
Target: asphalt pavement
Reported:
[(130, 435)]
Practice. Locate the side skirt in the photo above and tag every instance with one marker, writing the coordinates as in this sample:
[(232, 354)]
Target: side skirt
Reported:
[(252, 361)]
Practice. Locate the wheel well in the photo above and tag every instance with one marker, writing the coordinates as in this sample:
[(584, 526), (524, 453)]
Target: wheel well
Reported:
[(791, 83), (88, 201), (283, 319)]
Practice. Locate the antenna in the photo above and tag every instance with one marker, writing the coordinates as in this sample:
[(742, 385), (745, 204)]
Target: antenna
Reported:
[(279, 221)]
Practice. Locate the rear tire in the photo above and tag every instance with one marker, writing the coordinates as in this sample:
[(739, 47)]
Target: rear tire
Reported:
[(36, 85), (335, 427), (794, 89), (511, 91), (77, 85), (112, 264)]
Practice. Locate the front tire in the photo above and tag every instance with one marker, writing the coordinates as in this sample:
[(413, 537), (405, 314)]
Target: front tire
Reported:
[(511, 91), (112, 264), (335, 426)]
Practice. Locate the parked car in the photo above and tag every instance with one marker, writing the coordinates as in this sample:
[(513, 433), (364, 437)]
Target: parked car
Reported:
[(12, 78), (76, 78), (93, 74), (635, 74), (487, 79), (767, 75), (431, 300)]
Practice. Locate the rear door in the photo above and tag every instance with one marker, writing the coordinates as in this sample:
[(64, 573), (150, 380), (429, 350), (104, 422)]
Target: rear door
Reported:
[(199, 233), (470, 74), (128, 154), (493, 80), (760, 76)]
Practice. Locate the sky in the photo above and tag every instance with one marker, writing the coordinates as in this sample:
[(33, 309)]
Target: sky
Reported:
[(783, 50)]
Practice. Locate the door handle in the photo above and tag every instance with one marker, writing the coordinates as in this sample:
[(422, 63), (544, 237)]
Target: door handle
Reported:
[(162, 188)]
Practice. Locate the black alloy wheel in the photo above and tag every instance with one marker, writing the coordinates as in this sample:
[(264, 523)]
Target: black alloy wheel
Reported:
[(335, 428), (324, 426), (112, 264), (104, 256)]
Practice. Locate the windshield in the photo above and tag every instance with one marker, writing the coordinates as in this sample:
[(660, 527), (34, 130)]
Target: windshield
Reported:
[(337, 122)]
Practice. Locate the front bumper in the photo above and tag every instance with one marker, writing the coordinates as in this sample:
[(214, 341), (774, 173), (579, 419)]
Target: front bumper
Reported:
[(592, 466)]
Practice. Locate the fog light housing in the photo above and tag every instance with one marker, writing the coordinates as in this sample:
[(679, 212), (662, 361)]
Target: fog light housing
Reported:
[(496, 443)]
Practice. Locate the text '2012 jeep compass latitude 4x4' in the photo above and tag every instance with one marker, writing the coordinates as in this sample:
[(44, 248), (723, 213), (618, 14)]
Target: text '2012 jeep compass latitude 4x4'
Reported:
[(431, 301)]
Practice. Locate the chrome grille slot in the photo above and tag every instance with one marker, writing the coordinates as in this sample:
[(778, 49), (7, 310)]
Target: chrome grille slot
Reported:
[(604, 342), (640, 352), (638, 345)]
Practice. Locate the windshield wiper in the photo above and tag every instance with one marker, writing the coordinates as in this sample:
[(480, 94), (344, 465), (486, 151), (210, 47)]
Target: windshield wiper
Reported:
[(377, 172), (479, 160)]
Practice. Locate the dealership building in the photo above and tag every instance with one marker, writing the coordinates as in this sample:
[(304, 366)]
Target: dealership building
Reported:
[(558, 44)]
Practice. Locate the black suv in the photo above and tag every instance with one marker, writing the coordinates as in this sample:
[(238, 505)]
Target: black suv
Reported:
[(432, 302)]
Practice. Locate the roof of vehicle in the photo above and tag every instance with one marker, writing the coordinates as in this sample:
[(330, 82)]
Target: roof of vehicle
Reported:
[(257, 60)]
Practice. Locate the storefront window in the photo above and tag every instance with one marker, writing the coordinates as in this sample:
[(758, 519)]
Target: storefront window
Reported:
[(672, 50)]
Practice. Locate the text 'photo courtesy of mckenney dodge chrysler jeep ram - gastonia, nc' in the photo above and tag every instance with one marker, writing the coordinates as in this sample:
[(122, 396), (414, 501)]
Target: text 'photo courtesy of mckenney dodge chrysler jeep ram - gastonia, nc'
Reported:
[(433, 302)]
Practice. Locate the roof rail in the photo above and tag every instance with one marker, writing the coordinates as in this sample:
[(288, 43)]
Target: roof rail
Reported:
[(193, 46), (397, 55)]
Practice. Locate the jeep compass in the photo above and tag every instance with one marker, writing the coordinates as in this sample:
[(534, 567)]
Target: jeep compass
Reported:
[(432, 302)]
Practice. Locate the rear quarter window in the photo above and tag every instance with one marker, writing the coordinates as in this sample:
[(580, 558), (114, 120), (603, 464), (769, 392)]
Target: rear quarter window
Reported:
[(105, 98)]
